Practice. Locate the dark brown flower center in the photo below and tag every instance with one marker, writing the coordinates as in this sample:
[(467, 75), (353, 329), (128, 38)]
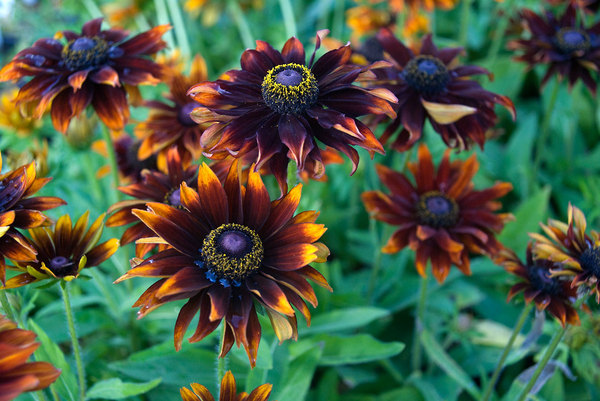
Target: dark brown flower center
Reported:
[(590, 261), (540, 279), (184, 114), (61, 266), (290, 89), (426, 74), (437, 210), (570, 40), (173, 198), (84, 52), (230, 253)]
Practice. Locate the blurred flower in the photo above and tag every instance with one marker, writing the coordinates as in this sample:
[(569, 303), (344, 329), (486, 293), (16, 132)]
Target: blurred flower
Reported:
[(154, 186), (80, 132), (64, 251), (415, 5), (228, 392), (16, 374), (365, 20), (171, 124), (442, 217), (91, 68), (211, 10), (38, 153), (18, 209), (280, 106), (123, 13), (570, 246), (416, 25), (539, 286), (231, 248), (428, 86), (569, 48), (12, 118)]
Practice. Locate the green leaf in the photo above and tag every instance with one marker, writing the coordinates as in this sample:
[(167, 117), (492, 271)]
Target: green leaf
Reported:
[(66, 384), (439, 356), (115, 389), (299, 375), (339, 350), (527, 218), (345, 319)]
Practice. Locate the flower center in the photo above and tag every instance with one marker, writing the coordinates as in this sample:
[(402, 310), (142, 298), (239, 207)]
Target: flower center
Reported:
[(231, 253), (540, 279), (437, 210), (184, 114), (426, 74), (290, 88), (173, 198), (61, 266), (570, 40), (590, 261), (85, 52)]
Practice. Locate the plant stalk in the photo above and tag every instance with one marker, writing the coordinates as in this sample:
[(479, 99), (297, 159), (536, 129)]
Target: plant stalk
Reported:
[(221, 362), (76, 350), (545, 129), (464, 22), (6, 306), (244, 29), (288, 17), (179, 27), (112, 160), (419, 323)]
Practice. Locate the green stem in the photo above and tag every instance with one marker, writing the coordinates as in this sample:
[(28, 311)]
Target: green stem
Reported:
[(179, 26), (392, 370), (498, 37), (545, 129), (112, 161), (464, 22), (376, 259), (244, 29), (163, 18), (92, 8), (221, 362), (419, 322), (520, 322), (76, 350), (288, 17), (542, 363), (6, 306), (54, 393), (338, 19)]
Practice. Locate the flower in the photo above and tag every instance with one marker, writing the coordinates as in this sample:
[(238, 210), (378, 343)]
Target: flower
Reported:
[(279, 105), (18, 209), (442, 217), (211, 11), (11, 117), (415, 5), (232, 248), (228, 392), (154, 186), (576, 252), (16, 374), (428, 86), (64, 251), (367, 20), (569, 48), (170, 124), (539, 286), (93, 67)]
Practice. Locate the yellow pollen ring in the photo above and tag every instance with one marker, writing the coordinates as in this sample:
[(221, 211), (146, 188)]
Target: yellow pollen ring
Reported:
[(290, 99)]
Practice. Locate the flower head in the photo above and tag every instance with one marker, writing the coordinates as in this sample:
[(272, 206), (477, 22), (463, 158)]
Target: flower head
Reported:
[(64, 251), (228, 392), (11, 117), (90, 68), (576, 253), (441, 217), (16, 374), (231, 248), (563, 43), (415, 5), (539, 286), (428, 85), (171, 124), (282, 107)]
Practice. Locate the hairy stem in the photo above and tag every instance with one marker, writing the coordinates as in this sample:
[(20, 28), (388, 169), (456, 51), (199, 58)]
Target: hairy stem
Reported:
[(76, 350)]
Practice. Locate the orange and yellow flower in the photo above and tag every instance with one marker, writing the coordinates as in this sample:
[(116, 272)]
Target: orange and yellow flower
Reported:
[(228, 392)]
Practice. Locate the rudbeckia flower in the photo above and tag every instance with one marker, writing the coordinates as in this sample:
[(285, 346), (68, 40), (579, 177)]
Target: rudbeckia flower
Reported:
[(230, 249), (430, 86), (228, 392), (93, 67), (441, 216), (281, 107)]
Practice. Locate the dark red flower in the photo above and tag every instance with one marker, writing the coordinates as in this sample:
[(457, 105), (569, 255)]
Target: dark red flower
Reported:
[(93, 67), (441, 217), (428, 85), (232, 248), (280, 108), (228, 392)]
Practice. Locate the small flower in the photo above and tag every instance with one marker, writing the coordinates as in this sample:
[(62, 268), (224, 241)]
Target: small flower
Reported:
[(365, 20), (548, 292), (415, 5), (568, 48), (170, 124), (282, 107), (576, 252), (429, 86), (228, 392), (442, 217), (211, 10), (154, 186), (18, 209), (16, 374), (93, 67), (12, 118), (232, 248), (64, 251)]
